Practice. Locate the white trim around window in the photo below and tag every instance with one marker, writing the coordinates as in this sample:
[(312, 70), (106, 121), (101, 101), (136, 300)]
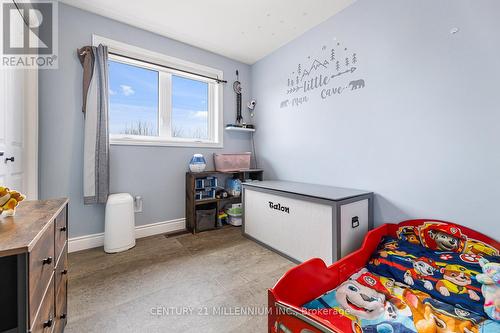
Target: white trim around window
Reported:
[(215, 95)]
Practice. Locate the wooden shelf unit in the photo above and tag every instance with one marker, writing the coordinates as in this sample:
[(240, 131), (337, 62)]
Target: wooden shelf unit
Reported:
[(192, 204)]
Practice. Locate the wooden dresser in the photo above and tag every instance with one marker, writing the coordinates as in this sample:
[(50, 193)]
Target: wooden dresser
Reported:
[(33, 267)]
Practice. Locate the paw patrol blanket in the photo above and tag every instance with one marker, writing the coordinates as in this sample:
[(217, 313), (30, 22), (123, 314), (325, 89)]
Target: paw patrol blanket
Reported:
[(446, 276), (377, 304)]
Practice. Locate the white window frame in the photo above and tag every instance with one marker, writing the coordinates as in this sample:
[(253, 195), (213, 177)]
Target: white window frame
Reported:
[(215, 108)]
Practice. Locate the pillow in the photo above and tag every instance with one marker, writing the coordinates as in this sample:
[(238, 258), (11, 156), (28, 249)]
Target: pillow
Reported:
[(440, 236), (447, 276), (409, 233)]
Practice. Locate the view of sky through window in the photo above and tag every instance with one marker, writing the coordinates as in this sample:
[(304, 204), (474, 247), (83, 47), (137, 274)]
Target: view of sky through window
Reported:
[(189, 108), (133, 100)]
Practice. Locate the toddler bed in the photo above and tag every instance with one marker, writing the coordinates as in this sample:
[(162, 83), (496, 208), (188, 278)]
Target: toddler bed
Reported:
[(415, 276)]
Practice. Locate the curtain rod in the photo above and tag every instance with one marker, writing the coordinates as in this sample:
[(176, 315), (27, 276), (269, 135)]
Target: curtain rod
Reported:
[(216, 79)]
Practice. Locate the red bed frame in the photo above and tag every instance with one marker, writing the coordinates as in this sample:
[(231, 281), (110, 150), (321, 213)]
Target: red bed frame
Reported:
[(313, 278)]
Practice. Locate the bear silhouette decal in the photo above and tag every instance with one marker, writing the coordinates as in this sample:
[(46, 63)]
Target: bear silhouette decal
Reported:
[(357, 84)]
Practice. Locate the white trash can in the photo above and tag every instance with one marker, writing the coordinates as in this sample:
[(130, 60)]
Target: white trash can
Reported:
[(119, 228)]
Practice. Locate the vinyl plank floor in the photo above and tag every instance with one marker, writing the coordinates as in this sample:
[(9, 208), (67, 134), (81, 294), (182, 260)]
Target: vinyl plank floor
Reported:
[(186, 283)]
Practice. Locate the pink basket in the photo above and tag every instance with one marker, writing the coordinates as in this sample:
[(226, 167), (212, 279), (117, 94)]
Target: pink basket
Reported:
[(232, 162)]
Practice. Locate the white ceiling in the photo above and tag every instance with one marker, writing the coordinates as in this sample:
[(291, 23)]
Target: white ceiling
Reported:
[(244, 30)]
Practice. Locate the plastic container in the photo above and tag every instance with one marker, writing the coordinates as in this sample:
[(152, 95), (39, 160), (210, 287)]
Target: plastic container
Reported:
[(119, 227), (235, 221), (235, 215), (205, 219), (232, 162)]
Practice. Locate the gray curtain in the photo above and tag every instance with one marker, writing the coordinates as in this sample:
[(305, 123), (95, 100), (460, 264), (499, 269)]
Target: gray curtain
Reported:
[(95, 108)]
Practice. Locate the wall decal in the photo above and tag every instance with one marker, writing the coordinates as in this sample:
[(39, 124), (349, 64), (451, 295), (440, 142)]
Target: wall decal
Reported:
[(322, 73), (357, 84)]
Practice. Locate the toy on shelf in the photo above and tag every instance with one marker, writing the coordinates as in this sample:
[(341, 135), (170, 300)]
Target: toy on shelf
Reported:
[(233, 187), (490, 279), (205, 188), (9, 200), (221, 219), (221, 194)]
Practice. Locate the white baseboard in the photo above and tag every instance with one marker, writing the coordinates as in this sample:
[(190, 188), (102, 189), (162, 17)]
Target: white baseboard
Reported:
[(85, 242), (97, 240)]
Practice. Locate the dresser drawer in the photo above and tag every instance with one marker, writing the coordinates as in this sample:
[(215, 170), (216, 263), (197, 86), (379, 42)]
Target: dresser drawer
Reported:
[(41, 267), (61, 304), (61, 232), (44, 321), (61, 309), (61, 278), (61, 273)]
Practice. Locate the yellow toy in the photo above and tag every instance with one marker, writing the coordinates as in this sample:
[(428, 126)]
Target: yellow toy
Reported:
[(9, 201)]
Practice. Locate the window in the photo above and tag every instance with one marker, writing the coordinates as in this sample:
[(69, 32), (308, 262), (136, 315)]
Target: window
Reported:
[(150, 104), (133, 100)]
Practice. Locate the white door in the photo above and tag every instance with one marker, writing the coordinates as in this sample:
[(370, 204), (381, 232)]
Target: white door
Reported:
[(12, 93), (19, 129)]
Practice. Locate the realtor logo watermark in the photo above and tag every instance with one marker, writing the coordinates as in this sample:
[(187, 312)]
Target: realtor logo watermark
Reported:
[(29, 34)]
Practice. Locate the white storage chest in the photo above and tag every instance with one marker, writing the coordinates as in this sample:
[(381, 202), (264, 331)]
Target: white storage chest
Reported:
[(303, 221)]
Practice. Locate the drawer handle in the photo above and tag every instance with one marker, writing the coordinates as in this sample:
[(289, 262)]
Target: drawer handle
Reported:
[(47, 261), (64, 272), (355, 222), (62, 229), (48, 323), (63, 316)]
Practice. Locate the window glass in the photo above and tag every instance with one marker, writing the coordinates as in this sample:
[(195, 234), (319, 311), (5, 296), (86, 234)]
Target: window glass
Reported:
[(189, 108), (133, 100)]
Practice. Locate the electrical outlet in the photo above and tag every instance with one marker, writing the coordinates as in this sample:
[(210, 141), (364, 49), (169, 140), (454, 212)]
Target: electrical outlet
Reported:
[(138, 204)]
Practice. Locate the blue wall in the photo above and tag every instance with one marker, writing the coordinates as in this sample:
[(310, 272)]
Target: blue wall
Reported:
[(424, 131), (155, 173)]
